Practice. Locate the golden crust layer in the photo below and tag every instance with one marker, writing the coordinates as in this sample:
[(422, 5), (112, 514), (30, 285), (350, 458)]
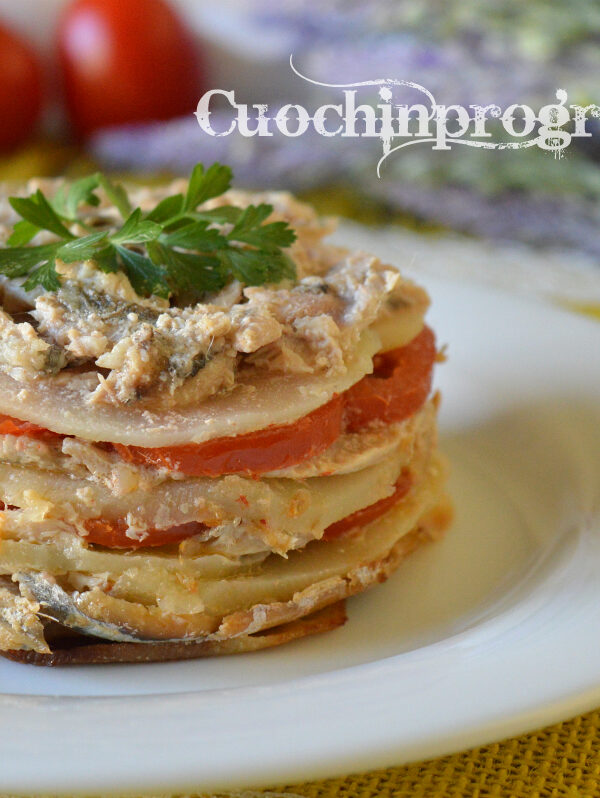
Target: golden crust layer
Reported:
[(91, 651)]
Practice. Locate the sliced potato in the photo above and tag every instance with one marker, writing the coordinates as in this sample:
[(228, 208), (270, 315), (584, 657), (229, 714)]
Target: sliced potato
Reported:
[(62, 405), (284, 513)]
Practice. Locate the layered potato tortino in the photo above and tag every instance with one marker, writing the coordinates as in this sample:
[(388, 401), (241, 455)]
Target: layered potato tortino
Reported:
[(182, 481)]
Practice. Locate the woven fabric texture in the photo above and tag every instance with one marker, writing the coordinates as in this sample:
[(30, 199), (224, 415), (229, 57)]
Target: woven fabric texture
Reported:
[(557, 762)]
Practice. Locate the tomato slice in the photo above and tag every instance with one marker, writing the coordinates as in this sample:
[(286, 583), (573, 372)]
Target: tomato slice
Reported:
[(112, 534), (14, 426), (274, 447), (399, 385), (363, 517)]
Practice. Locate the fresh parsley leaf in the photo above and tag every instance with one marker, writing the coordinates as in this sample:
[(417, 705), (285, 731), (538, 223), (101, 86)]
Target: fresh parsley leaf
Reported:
[(106, 259), (173, 250), (251, 218), (166, 209), (250, 229), (37, 262), (82, 248), (81, 192), (247, 265), (252, 267), (226, 214), (45, 275), (22, 233), (18, 261), (273, 236), (190, 275), (146, 277), (136, 230), (206, 185), (281, 267), (37, 211), (195, 235), (116, 194), (59, 201)]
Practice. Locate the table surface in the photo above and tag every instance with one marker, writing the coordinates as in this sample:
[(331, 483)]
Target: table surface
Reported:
[(560, 760)]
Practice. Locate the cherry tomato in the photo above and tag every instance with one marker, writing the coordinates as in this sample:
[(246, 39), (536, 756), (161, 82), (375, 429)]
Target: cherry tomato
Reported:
[(20, 90), (126, 61)]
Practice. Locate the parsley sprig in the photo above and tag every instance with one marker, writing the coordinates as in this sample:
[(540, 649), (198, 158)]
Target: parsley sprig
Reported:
[(174, 250)]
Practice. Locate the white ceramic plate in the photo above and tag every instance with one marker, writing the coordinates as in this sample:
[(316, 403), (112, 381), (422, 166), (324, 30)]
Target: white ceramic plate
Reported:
[(489, 633)]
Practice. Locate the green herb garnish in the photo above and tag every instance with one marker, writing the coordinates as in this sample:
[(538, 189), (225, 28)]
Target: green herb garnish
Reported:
[(171, 251)]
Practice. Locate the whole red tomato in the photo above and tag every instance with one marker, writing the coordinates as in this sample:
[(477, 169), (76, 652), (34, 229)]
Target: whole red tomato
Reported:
[(20, 90), (126, 61)]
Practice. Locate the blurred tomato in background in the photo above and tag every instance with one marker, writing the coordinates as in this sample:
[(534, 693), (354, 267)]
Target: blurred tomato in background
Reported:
[(126, 61), (20, 90), (122, 79)]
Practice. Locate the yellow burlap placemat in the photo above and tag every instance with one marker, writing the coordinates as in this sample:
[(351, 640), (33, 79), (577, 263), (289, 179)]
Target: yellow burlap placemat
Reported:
[(559, 761)]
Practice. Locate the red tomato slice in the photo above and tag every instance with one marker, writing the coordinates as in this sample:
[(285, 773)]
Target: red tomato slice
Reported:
[(363, 517), (399, 385), (254, 453), (112, 534), (14, 426), (126, 61)]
